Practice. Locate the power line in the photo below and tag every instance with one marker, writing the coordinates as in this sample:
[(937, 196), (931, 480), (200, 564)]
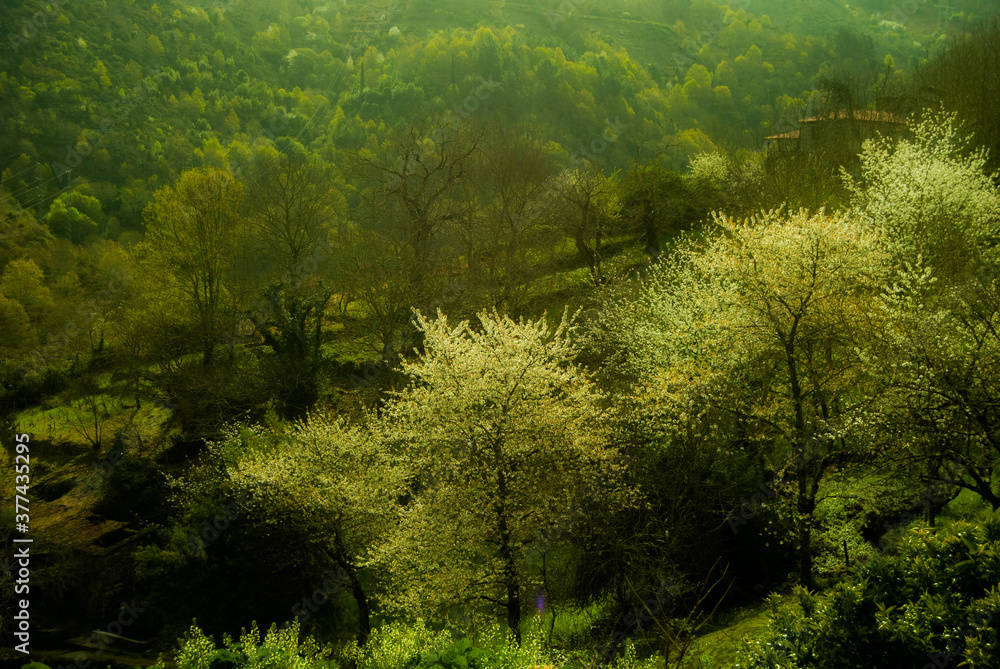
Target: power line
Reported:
[(32, 205), (12, 176), (28, 187)]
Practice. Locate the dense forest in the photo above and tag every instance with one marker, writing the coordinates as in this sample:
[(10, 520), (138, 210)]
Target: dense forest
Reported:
[(399, 334)]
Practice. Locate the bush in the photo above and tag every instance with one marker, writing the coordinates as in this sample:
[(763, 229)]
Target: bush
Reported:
[(461, 654), (135, 491), (401, 645), (934, 603), (280, 649), (397, 645)]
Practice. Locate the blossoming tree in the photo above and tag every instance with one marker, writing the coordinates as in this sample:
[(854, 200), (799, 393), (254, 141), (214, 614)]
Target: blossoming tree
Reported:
[(506, 436)]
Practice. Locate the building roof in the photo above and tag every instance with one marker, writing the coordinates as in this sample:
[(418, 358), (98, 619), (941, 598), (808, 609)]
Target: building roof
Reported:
[(868, 115), (794, 134)]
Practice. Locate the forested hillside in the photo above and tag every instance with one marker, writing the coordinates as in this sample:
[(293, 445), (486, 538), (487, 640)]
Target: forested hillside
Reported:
[(476, 333), (131, 94)]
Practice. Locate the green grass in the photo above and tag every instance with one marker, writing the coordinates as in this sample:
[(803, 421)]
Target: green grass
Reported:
[(719, 646), (69, 422), (967, 505)]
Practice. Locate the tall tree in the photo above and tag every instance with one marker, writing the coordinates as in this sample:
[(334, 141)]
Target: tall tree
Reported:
[(336, 483), (964, 79), (415, 188), (942, 360), (196, 235), (502, 234), (931, 195), (414, 196), (764, 322), (657, 202), (585, 201), (294, 205), (506, 434)]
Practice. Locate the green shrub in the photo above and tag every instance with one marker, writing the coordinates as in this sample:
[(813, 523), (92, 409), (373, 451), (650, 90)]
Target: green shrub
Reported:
[(402, 645), (936, 602), (397, 645), (280, 649), (459, 655), (135, 491)]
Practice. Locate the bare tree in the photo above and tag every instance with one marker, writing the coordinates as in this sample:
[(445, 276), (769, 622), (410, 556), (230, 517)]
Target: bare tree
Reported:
[(587, 207), (414, 199), (414, 189), (509, 177), (293, 203)]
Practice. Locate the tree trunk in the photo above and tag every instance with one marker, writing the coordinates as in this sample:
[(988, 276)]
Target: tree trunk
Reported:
[(510, 569), (805, 498), (358, 592), (649, 228), (805, 506), (364, 610), (208, 354)]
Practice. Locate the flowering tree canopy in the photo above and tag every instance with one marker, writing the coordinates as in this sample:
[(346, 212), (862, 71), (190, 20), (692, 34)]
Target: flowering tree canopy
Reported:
[(505, 435), (759, 327)]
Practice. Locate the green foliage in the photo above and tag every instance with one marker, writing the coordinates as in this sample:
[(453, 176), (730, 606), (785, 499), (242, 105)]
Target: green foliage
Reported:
[(23, 280), (497, 412), (659, 203), (75, 216), (961, 79), (242, 519), (720, 342), (403, 645), (16, 332), (207, 399), (135, 491), (841, 513), (280, 649), (942, 352), (110, 107), (396, 645), (936, 600), (931, 194), (460, 655)]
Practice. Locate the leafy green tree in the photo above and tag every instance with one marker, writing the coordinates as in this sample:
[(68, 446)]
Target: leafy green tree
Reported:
[(16, 331), (414, 196), (21, 235), (505, 435), (961, 80), (502, 237), (658, 202), (417, 185), (272, 44), (932, 604), (23, 280), (376, 268), (196, 236), (75, 216), (941, 360), (933, 199), (585, 202)]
